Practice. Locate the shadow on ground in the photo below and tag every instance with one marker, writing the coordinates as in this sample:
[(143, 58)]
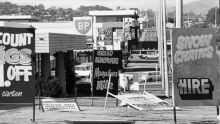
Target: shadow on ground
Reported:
[(204, 122)]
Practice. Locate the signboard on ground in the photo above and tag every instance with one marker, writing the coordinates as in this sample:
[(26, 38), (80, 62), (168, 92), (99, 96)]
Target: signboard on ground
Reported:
[(106, 62), (51, 104), (144, 101), (17, 71), (194, 67)]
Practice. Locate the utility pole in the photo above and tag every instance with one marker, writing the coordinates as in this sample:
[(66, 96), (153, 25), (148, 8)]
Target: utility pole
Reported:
[(215, 16), (167, 89), (179, 13), (161, 43)]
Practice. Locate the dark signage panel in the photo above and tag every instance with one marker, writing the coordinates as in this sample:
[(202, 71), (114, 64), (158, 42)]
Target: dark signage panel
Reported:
[(17, 70), (106, 62)]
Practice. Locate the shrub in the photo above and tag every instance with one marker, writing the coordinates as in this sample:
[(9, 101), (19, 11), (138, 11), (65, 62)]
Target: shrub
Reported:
[(47, 87)]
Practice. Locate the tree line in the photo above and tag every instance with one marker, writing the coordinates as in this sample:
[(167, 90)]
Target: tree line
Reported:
[(50, 14)]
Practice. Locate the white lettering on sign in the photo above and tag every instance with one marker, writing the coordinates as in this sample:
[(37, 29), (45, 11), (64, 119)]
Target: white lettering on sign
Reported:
[(193, 48), (103, 84), (106, 60), (103, 74), (15, 40), (83, 25), (104, 53), (14, 72), (194, 86), (14, 57), (11, 94)]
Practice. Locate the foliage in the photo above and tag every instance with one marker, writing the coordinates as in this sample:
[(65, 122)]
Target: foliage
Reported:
[(47, 87), (86, 9), (171, 20), (150, 14), (212, 16), (200, 25), (48, 15)]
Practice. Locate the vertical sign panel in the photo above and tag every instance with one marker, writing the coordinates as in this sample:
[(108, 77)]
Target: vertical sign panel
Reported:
[(194, 67), (106, 62), (17, 76), (106, 35)]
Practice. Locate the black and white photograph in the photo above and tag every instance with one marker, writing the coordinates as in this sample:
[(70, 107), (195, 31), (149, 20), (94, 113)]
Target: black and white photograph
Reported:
[(109, 61)]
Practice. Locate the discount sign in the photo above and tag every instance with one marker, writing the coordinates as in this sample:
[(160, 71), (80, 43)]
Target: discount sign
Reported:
[(17, 50)]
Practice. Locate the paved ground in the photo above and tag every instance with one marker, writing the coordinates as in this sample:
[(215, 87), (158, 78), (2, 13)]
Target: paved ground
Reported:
[(187, 115)]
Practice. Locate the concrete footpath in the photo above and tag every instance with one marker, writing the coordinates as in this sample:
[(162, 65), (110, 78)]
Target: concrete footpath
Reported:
[(22, 114)]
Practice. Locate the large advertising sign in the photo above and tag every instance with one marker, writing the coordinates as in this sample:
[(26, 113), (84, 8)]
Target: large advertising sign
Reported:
[(17, 75), (194, 67), (106, 62), (83, 24)]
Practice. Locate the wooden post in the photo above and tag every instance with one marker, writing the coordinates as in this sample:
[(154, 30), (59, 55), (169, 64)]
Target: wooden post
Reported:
[(33, 120), (173, 95), (92, 92), (145, 82), (92, 78), (106, 98), (39, 96), (174, 110), (156, 74)]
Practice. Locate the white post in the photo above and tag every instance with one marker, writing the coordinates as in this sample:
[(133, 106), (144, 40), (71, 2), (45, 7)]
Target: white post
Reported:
[(156, 73), (106, 98), (94, 32), (179, 13), (167, 89), (161, 36), (145, 82)]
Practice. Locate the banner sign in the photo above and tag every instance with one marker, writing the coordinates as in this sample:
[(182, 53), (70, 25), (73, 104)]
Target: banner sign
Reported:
[(106, 62), (17, 71), (106, 35), (194, 67)]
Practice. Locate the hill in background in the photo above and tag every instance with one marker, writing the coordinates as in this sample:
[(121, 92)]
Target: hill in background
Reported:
[(200, 6)]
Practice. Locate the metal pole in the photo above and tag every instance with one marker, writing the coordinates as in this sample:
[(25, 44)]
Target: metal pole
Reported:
[(179, 13), (161, 42), (167, 89), (159, 35)]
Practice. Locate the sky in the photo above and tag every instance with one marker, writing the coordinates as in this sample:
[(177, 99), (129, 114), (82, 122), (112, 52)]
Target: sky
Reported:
[(74, 4)]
